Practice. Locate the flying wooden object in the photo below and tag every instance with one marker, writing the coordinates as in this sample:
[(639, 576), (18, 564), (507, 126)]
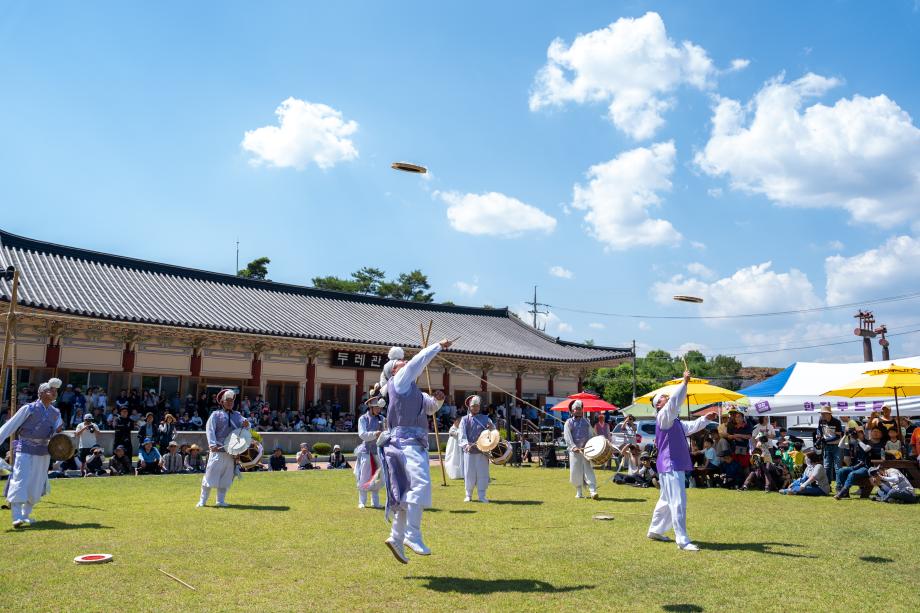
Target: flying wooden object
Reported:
[(408, 167)]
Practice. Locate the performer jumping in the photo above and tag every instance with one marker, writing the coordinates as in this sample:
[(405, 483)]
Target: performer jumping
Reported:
[(221, 468), (576, 432), (367, 464), (475, 463), (36, 423), (673, 461), (404, 452)]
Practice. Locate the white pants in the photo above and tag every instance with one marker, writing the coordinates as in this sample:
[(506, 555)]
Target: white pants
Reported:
[(219, 472), (581, 471), (671, 510), (407, 523), (29, 480), (363, 475), (475, 473)]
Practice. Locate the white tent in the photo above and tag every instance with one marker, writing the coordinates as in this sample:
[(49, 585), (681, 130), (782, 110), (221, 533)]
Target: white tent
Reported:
[(797, 390)]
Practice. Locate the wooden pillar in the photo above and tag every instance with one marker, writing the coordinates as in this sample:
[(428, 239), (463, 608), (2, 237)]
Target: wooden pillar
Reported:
[(359, 387), (445, 382), (550, 387), (484, 387), (128, 357), (519, 385), (311, 380)]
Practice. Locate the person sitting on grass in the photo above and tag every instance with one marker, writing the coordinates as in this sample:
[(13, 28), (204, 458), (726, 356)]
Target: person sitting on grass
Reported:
[(859, 455), (337, 458), (119, 463), (277, 461), (646, 476), (173, 462), (732, 476), (94, 466), (892, 485), (813, 481), (630, 457), (148, 459), (194, 461), (304, 458)]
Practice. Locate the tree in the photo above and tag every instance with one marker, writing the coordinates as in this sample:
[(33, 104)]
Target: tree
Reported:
[(335, 284), (371, 281), (408, 286), (256, 269), (368, 280)]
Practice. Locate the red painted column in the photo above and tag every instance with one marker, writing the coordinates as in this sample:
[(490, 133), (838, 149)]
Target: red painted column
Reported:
[(519, 386), (359, 386), (484, 387), (195, 364), (127, 359), (255, 372), (580, 382), (311, 380), (52, 354), (550, 387), (445, 382)]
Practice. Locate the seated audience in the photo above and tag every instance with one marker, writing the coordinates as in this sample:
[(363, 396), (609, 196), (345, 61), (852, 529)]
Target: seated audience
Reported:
[(893, 486), (94, 464), (148, 459), (813, 481), (304, 458), (337, 458), (194, 461), (277, 461), (172, 462), (119, 463)]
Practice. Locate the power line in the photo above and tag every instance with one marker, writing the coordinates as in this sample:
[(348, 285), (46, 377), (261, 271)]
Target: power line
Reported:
[(807, 339), (812, 346), (847, 305)]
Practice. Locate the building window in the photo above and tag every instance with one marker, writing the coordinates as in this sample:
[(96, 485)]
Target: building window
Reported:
[(282, 396), (336, 394), (166, 386), (85, 380)]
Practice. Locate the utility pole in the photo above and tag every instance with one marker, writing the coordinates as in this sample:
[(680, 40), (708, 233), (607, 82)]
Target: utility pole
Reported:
[(535, 310), (882, 331), (634, 370), (866, 331), (237, 256)]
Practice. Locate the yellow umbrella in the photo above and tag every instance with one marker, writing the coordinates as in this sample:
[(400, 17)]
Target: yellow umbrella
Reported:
[(894, 380), (698, 392)]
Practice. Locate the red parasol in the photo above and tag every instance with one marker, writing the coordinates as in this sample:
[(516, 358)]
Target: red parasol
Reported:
[(592, 403)]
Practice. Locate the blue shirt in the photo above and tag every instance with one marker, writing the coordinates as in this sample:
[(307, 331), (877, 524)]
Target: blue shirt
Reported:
[(150, 457)]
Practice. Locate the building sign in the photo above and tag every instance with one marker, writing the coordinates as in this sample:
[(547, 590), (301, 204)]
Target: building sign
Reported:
[(357, 359)]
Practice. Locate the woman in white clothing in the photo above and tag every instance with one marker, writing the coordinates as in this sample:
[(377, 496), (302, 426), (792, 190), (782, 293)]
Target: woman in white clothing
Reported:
[(453, 457)]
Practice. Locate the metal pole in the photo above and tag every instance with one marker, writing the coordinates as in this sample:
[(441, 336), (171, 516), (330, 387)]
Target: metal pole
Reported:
[(634, 370)]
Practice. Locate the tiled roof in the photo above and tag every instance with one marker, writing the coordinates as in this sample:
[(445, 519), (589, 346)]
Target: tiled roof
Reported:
[(87, 283)]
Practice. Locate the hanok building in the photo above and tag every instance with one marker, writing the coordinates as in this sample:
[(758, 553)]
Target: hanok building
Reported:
[(95, 319)]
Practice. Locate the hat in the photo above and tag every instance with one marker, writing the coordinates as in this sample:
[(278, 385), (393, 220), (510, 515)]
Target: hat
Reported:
[(471, 400), (873, 471), (227, 393), (70, 385), (644, 456), (303, 444), (656, 398), (339, 447), (148, 440), (195, 447), (173, 444), (578, 404), (87, 417), (396, 353), (95, 447), (826, 409), (122, 447)]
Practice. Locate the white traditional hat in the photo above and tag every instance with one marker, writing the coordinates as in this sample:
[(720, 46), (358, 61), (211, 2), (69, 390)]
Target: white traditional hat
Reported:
[(471, 400), (578, 404), (225, 393), (656, 398), (396, 353)]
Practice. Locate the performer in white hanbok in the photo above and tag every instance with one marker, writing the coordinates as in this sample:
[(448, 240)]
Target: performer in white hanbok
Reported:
[(453, 457), (367, 463), (36, 422), (404, 452), (395, 354), (577, 431), (221, 468), (475, 463), (673, 462)]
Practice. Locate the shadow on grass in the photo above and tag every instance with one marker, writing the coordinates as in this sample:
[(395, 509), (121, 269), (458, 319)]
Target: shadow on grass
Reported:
[(259, 507), (519, 502), (71, 506), (695, 608), (53, 524), (766, 548), (876, 559), (604, 498), (492, 586), (462, 511)]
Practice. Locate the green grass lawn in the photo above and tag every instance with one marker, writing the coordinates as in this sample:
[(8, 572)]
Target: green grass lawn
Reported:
[(296, 540)]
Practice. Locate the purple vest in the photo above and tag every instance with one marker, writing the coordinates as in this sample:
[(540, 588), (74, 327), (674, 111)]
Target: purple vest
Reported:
[(37, 429), (371, 423), (406, 410), (473, 426), (581, 430), (673, 450)]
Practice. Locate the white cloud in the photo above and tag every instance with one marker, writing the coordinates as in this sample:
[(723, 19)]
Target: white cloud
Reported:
[(685, 347), (596, 326), (631, 65), (548, 322), (307, 133), (644, 326), (564, 328), (619, 194), (714, 192), (467, 289), (754, 289), (835, 245), (888, 270), (698, 245), (700, 270), (777, 346), (562, 273), (861, 154), (494, 214), (739, 64)]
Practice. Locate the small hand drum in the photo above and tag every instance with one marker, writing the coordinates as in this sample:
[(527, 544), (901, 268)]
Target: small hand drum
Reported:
[(488, 440), (61, 447), (501, 454), (238, 441), (598, 450)]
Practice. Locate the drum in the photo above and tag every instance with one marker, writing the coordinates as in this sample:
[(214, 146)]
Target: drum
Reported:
[(61, 447), (251, 457), (598, 450), (488, 440), (501, 454), (238, 441)]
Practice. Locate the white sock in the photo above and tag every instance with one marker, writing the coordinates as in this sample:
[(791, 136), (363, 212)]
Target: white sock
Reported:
[(16, 508), (205, 492), (375, 497), (221, 494), (26, 510), (362, 496)]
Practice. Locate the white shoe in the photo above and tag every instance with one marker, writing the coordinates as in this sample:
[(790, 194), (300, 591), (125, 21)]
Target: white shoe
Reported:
[(20, 523), (199, 505), (398, 552), (221, 504), (467, 499), (578, 495), (689, 547), (419, 548), (361, 505), (658, 537), (593, 495)]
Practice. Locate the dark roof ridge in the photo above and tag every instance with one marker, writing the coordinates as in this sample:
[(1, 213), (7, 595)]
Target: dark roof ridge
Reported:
[(31, 244)]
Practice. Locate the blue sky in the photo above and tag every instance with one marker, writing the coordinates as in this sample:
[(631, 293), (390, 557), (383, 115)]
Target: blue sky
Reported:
[(150, 130)]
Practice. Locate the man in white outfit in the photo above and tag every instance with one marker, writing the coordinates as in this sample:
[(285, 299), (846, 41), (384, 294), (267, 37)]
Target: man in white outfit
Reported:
[(673, 463), (221, 468), (475, 462), (367, 463), (577, 431)]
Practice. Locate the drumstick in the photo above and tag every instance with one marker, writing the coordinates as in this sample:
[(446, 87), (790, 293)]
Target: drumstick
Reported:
[(684, 359), (177, 579), (434, 418)]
